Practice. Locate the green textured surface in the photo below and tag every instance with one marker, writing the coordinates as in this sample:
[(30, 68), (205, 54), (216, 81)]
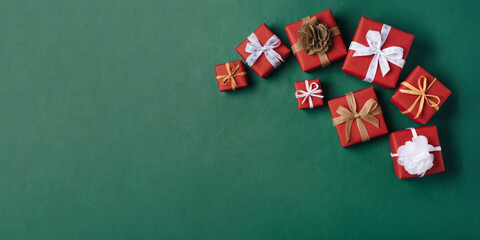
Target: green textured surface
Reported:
[(112, 126)]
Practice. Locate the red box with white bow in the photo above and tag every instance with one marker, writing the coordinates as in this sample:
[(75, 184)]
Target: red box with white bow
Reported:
[(316, 41), (263, 51), (309, 94), (231, 76), (377, 53), (357, 116), (420, 96), (416, 152)]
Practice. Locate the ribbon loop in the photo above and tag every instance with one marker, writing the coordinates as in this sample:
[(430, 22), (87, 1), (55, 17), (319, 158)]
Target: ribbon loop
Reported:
[(312, 91), (423, 97), (256, 49), (381, 56), (231, 75)]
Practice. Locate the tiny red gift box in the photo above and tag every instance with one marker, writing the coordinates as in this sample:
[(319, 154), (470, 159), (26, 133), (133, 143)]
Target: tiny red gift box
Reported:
[(361, 98), (262, 66), (301, 91), (420, 81), (358, 66), (337, 50), (237, 72), (399, 138)]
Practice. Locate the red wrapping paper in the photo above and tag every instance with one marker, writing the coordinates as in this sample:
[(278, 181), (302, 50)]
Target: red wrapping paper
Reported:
[(358, 66), (241, 81), (317, 102), (262, 66), (312, 62), (361, 96), (403, 101), (399, 138)]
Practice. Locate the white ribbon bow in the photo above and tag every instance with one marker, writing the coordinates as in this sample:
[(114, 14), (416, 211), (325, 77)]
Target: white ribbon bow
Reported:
[(415, 155), (375, 41), (256, 49), (311, 92)]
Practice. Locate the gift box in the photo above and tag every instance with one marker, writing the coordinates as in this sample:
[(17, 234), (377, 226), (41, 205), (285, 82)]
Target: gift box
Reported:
[(316, 41), (309, 93), (231, 76), (420, 96), (361, 107), (263, 51), (377, 53), (416, 152)]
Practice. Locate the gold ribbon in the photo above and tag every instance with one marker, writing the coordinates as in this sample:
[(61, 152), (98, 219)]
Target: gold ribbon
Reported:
[(324, 61), (421, 91), (350, 114), (231, 75)]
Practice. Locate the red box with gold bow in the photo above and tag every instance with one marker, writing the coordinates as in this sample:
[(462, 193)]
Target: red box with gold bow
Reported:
[(231, 76), (263, 51), (321, 42), (416, 152), (357, 116), (377, 53), (420, 96), (309, 93)]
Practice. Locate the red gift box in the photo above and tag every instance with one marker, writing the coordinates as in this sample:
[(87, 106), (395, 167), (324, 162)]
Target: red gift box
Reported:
[(309, 93), (420, 96), (366, 62), (361, 107), (316, 60), (277, 51), (412, 157), (231, 75)]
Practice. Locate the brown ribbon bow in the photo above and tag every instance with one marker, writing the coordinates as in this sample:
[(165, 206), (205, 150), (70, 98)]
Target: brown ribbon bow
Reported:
[(231, 75), (421, 91), (350, 114), (322, 56)]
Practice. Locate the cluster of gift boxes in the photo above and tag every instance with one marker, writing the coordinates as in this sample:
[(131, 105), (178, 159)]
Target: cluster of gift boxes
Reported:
[(376, 55)]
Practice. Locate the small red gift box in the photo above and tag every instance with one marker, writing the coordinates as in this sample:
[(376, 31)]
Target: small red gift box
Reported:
[(420, 96), (317, 58), (230, 76), (263, 51), (309, 94), (377, 53), (416, 152), (361, 107)]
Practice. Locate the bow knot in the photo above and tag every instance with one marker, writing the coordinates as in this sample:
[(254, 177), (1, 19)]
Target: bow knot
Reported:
[(231, 75), (311, 92), (257, 49), (382, 57), (350, 114), (421, 92)]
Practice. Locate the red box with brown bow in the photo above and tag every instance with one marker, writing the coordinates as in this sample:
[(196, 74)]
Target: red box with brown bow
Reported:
[(377, 53), (416, 152), (231, 76), (309, 94), (263, 51), (420, 96), (357, 116), (316, 41)]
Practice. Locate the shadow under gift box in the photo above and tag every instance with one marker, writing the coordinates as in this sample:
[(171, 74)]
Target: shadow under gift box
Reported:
[(262, 66), (358, 66), (399, 138), (361, 97), (404, 101), (311, 62)]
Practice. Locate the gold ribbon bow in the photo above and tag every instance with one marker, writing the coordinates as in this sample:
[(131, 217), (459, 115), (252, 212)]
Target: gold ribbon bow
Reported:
[(421, 91), (324, 61), (231, 75), (350, 114)]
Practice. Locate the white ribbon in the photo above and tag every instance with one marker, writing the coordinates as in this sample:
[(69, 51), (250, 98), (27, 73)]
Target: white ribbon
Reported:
[(415, 155), (311, 92), (256, 49), (375, 41)]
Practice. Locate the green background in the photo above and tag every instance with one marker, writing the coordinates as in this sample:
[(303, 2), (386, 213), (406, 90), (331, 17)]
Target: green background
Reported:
[(112, 126)]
